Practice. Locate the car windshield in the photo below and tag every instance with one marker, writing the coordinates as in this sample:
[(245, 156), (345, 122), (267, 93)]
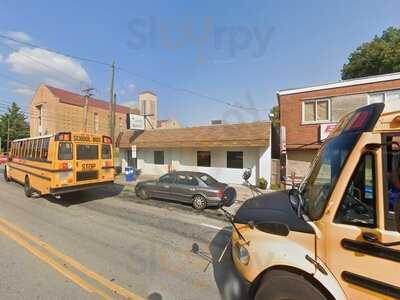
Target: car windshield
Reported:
[(207, 179), (324, 172)]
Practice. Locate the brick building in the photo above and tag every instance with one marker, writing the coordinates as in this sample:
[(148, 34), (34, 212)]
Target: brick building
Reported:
[(309, 113), (53, 109)]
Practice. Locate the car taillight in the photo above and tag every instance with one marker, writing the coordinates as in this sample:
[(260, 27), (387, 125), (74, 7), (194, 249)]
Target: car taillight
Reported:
[(220, 194)]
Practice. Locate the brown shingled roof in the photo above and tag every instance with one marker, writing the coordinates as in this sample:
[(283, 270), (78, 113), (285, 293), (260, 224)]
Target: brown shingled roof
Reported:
[(76, 99), (227, 135)]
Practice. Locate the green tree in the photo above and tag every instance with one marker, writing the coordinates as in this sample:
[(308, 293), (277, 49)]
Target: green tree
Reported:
[(13, 122), (274, 115), (380, 56)]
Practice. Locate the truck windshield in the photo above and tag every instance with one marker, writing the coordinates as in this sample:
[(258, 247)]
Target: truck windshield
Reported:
[(325, 170)]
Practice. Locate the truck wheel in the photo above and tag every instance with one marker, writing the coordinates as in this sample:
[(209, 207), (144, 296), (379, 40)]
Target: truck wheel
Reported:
[(199, 202), (6, 177), (279, 284), (27, 187)]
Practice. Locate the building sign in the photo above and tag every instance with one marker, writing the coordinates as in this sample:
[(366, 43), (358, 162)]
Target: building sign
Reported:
[(325, 130), (135, 122), (134, 151)]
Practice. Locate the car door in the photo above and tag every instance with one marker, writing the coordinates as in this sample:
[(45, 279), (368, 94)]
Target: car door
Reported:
[(163, 188), (364, 267), (184, 187)]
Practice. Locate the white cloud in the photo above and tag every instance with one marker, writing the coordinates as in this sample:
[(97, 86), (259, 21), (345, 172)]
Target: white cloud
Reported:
[(24, 91), (19, 36), (1, 57), (49, 67), (131, 87)]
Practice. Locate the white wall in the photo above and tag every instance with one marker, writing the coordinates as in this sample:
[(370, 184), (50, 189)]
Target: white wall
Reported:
[(256, 159)]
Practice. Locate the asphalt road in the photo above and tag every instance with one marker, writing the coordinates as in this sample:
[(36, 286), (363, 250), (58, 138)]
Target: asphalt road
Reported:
[(107, 244)]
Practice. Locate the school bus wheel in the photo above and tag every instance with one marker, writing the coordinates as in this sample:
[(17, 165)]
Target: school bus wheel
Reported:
[(6, 177), (281, 284), (27, 187)]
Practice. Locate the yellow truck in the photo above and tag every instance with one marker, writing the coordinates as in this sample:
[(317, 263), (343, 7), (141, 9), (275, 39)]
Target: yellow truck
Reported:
[(336, 236)]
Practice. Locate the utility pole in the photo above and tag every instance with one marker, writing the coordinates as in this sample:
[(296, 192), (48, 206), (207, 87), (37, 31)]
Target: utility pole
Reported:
[(87, 94), (113, 116), (8, 131), (111, 106)]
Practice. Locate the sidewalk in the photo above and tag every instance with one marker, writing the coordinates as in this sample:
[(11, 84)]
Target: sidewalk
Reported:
[(243, 192)]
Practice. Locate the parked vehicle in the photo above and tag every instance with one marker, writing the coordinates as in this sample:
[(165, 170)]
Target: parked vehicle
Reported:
[(3, 158), (199, 189), (337, 236)]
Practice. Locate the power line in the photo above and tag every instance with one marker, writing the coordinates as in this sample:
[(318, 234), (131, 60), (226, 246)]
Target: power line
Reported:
[(160, 83)]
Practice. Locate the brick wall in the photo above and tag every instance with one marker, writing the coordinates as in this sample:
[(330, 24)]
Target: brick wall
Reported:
[(291, 109), (66, 117)]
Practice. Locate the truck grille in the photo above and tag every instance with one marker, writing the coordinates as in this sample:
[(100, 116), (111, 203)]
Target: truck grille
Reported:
[(86, 175)]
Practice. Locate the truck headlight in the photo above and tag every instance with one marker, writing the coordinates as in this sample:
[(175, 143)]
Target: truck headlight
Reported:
[(242, 253)]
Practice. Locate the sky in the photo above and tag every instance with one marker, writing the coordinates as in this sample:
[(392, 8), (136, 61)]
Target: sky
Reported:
[(205, 60)]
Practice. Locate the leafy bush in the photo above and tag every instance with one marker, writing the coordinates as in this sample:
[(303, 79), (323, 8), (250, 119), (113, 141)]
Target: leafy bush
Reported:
[(262, 183)]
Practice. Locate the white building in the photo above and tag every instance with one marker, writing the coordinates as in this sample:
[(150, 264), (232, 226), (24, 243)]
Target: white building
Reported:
[(224, 151)]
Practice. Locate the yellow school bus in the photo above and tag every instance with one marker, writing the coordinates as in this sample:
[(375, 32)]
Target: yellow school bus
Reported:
[(337, 236), (61, 163)]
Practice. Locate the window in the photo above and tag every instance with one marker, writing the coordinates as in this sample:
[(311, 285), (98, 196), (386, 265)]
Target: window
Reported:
[(64, 151), (38, 148), (203, 158), (159, 157), (234, 159), (325, 170), (391, 174), (186, 180), (105, 151), (45, 148), (207, 179), (392, 100), (84, 152), (96, 122), (316, 110), (34, 150), (376, 98), (23, 149), (358, 203), (167, 178), (30, 147)]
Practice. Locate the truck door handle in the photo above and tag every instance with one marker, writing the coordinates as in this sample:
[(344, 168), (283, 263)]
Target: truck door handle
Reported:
[(373, 238)]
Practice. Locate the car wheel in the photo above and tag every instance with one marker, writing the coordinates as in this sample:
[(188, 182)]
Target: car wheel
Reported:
[(275, 285), (6, 177), (142, 194), (199, 202), (27, 187)]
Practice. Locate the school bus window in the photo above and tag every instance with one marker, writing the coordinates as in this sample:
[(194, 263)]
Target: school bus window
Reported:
[(105, 151), (38, 148), (45, 148), (392, 179), (65, 151), (25, 149), (358, 203), (84, 151)]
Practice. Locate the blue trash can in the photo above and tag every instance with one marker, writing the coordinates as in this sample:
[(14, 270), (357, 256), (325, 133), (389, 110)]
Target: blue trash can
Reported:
[(129, 174)]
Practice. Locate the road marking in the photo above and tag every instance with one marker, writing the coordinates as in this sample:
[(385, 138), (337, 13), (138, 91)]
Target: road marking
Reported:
[(214, 227), (69, 260), (57, 266)]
